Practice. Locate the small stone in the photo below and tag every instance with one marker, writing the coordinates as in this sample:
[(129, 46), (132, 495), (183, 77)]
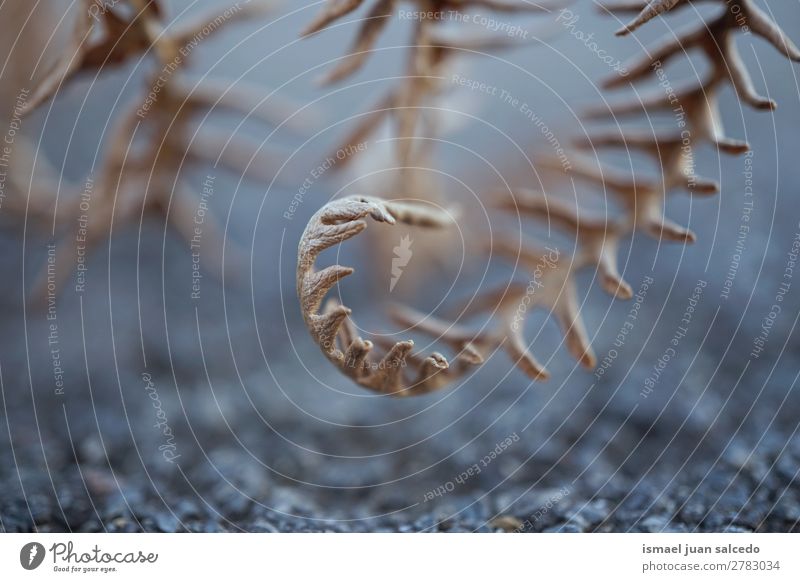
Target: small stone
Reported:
[(506, 523)]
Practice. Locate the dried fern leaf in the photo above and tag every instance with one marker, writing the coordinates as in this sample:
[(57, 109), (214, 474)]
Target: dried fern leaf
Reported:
[(397, 372), (147, 150)]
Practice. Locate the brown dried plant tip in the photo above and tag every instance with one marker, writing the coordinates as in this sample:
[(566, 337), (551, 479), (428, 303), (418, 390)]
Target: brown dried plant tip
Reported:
[(398, 372), (645, 10)]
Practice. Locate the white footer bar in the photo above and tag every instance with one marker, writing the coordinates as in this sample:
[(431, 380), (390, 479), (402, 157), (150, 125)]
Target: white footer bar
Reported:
[(354, 557)]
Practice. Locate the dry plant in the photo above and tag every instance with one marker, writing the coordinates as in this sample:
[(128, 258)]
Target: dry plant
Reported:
[(154, 139), (716, 39), (695, 105), (398, 372), (432, 56), (552, 284)]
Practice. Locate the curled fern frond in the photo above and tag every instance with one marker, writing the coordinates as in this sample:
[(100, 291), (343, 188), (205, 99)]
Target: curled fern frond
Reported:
[(397, 371)]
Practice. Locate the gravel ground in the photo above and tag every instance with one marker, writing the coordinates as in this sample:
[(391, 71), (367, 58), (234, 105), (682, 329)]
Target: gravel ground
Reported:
[(748, 491)]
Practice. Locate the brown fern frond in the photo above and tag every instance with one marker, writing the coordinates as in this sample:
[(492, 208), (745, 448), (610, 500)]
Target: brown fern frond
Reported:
[(415, 106), (120, 39), (716, 38), (695, 106), (147, 151), (397, 372), (552, 286)]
